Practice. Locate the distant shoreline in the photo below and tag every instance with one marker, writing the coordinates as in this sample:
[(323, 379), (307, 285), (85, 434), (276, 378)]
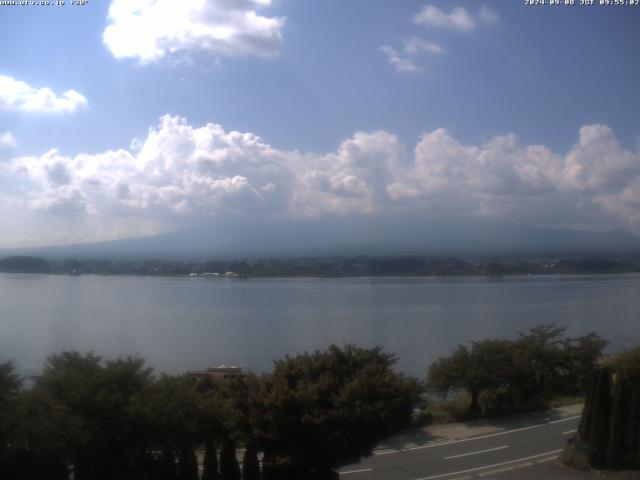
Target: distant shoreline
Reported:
[(342, 267)]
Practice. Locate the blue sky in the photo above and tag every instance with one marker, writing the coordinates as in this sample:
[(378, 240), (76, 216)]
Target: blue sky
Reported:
[(308, 78)]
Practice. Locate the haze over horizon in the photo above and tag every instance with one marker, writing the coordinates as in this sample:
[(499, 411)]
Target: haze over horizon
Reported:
[(336, 125)]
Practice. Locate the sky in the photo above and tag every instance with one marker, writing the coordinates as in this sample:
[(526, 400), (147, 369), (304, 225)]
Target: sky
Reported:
[(127, 118)]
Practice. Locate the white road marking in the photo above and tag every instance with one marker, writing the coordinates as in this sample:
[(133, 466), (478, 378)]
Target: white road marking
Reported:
[(386, 452), (550, 459), (477, 453), (507, 469), (495, 472), (490, 466), (451, 442), (356, 471), (569, 432)]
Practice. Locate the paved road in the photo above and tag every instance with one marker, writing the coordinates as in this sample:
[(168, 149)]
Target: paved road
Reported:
[(489, 455)]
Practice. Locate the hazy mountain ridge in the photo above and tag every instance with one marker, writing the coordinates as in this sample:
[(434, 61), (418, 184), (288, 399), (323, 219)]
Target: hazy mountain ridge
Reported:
[(392, 238)]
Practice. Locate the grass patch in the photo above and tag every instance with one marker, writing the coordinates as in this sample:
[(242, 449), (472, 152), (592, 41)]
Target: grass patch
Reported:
[(456, 409), (448, 411), (574, 458), (564, 401)]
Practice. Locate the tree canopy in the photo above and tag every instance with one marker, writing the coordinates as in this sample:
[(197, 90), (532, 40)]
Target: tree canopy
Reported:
[(334, 406), (114, 419), (10, 387), (541, 362)]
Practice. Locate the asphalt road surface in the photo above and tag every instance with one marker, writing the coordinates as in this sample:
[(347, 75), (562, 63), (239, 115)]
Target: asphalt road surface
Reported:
[(520, 451)]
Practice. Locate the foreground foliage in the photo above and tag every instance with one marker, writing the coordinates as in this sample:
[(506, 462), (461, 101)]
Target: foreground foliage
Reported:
[(335, 406), (114, 419)]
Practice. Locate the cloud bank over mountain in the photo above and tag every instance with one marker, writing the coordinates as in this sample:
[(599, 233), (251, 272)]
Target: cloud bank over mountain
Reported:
[(181, 176)]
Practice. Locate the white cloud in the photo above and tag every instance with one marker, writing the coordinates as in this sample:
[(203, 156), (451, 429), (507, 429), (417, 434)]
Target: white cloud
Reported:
[(417, 45), (488, 16), (7, 141), (16, 95), (623, 204), (405, 60), (351, 180), (598, 163), (402, 63), (595, 185), (184, 175), (458, 18), (149, 30)]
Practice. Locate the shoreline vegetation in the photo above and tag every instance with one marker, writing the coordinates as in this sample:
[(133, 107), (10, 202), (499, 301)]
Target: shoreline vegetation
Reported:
[(333, 267), (313, 413)]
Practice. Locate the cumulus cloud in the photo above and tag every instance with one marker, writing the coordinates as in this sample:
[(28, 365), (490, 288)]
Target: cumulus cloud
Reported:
[(488, 16), (458, 19), (623, 204), (177, 171), (7, 141), (405, 59), (184, 175), (149, 30), (598, 162), (16, 95)]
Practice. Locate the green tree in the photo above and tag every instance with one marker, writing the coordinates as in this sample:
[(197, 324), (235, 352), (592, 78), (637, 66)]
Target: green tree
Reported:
[(600, 421), (83, 410), (210, 467), (172, 413), (584, 430), (488, 365), (330, 408), (63, 414), (618, 425), (235, 404), (583, 354), (188, 465), (491, 370), (610, 423), (451, 373), (10, 388), (628, 368), (540, 361), (250, 465), (539, 364), (229, 468), (632, 444)]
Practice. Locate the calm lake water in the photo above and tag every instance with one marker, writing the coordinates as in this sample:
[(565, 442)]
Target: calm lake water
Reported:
[(187, 323)]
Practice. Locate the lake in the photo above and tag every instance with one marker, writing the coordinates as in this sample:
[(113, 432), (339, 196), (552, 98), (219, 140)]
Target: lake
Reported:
[(189, 323)]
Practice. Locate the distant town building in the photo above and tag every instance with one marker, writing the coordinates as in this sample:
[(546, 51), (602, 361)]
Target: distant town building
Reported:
[(217, 374)]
